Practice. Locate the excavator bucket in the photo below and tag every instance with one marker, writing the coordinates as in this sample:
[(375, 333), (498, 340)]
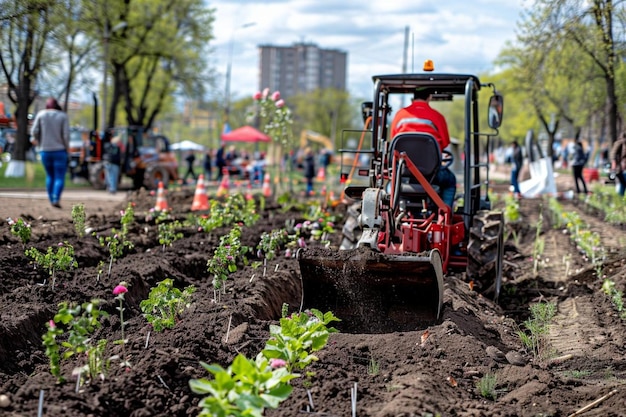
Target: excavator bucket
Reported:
[(373, 292)]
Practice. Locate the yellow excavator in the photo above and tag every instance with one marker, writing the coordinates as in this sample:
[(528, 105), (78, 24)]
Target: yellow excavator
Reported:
[(308, 136)]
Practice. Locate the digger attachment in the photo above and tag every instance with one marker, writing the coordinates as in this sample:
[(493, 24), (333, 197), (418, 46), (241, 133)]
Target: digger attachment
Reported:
[(373, 292)]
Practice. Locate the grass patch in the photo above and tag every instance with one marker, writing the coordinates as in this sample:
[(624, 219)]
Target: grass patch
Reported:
[(487, 386), (35, 178)]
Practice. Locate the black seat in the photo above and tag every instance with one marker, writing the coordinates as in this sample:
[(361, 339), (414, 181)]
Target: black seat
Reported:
[(423, 150)]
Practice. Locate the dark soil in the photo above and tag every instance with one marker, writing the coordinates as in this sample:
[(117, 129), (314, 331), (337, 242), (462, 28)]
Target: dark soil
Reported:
[(428, 370)]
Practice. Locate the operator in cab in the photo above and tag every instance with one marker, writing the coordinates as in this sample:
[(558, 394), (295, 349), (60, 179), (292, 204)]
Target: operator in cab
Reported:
[(420, 117)]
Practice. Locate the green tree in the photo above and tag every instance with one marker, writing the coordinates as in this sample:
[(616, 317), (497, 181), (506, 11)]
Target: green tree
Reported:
[(26, 25)]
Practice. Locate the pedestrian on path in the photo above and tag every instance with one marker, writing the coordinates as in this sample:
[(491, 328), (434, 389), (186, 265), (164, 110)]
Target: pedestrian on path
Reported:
[(517, 159), (51, 132), (580, 160), (618, 162)]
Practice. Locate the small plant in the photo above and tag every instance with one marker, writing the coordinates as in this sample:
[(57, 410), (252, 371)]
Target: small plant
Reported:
[(165, 304), (511, 209), (373, 367), (53, 261), (119, 291), (271, 243), (117, 241), (225, 258), (167, 233), (541, 314), (80, 323), (246, 388), (487, 386), (577, 374), (298, 336), (20, 229), (78, 218), (617, 296)]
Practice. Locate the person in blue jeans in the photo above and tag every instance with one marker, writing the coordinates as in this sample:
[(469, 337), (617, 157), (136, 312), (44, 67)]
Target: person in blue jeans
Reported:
[(517, 158), (51, 132)]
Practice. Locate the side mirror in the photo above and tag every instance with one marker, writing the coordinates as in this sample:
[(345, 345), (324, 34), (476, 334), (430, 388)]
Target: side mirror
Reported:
[(367, 107), (496, 110)]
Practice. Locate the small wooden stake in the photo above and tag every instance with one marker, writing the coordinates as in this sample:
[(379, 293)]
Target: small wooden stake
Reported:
[(593, 404), (147, 340), (230, 319), (353, 392), (40, 409)]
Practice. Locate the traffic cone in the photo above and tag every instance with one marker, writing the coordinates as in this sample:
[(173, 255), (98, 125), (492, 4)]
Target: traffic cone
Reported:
[(321, 174), (200, 199), (267, 189), (222, 190), (161, 203), (249, 195)]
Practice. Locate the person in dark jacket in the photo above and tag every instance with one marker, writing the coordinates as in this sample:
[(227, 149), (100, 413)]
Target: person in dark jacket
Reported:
[(580, 159), (207, 164), (112, 162), (618, 162), (220, 162), (309, 170), (517, 158), (190, 158)]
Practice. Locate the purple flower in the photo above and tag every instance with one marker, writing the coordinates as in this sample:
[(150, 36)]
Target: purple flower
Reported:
[(301, 242), (277, 363), (60, 244), (120, 289)]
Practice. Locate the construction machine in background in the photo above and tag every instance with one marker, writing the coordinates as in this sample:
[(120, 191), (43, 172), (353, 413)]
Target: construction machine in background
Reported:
[(400, 239), (146, 158)]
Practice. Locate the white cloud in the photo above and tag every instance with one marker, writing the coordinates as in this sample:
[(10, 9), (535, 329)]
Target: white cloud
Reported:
[(459, 35)]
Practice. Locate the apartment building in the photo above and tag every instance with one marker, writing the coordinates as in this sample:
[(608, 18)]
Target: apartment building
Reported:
[(300, 68)]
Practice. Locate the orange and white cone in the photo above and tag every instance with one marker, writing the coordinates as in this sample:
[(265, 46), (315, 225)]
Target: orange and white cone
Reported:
[(321, 174), (249, 195), (161, 203), (222, 190), (267, 188), (200, 199)]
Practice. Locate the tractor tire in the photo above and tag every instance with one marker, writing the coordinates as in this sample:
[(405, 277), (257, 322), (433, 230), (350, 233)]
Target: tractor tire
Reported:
[(351, 230), (485, 252), (97, 176), (154, 175)]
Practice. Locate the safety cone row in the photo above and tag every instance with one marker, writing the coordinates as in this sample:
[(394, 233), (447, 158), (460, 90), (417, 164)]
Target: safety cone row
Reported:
[(161, 203), (200, 199), (267, 189), (222, 190)]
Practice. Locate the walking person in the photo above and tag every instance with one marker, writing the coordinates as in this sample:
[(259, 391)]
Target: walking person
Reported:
[(51, 132), (190, 158), (220, 162), (309, 170), (517, 158), (207, 164), (580, 160), (112, 163), (618, 162)]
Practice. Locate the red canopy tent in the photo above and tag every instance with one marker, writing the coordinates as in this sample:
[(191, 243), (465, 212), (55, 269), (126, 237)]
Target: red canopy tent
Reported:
[(245, 134)]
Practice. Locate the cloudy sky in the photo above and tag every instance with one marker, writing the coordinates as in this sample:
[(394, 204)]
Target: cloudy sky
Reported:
[(458, 35)]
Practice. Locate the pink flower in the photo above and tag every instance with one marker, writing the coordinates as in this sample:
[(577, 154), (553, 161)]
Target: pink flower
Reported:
[(120, 289), (301, 242), (287, 253), (257, 95), (277, 363), (10, 221), (52, 325), (275, 95), (266, 92), (280, 103)]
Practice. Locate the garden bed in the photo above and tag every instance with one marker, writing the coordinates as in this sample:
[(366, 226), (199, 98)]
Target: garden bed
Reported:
[(452, 368)]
